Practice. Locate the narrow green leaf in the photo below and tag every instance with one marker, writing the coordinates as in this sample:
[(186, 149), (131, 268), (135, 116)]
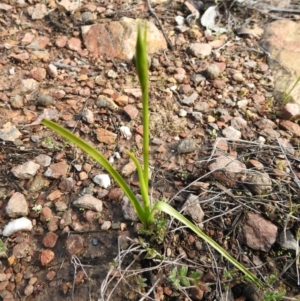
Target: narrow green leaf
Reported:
[(161, 206), (183, 271), (143, 187), (92, 152), (195, 275), (185, 281)]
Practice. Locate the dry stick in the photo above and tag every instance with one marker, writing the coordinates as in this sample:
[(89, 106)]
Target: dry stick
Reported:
[(160, 25), (76, 262), (298, 183), (65, 66), (149, 292)]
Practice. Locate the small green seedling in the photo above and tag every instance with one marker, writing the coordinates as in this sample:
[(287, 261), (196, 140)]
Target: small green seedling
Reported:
[(145, 211), (287, 94), (180, 278), (274, 296), (37, 209), (141, 282)]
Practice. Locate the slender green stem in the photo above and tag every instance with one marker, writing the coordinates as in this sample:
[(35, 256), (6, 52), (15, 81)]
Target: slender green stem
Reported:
[(146, 137), (142, 71)]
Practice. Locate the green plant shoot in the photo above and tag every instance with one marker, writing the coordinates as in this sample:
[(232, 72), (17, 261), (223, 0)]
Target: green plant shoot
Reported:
[(144, 211)]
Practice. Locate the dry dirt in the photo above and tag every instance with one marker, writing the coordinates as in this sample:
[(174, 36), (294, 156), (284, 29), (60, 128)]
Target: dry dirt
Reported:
[(78, 274)]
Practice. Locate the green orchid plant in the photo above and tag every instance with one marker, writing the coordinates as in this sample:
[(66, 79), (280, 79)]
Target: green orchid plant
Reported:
[(144, 211)]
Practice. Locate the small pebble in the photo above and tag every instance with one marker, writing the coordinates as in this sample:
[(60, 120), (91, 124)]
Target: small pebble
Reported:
[(35, 138), (212, 71), (182, 113), (87, 18), (44, 101), (186, 146), (95, 241), (238, 77)]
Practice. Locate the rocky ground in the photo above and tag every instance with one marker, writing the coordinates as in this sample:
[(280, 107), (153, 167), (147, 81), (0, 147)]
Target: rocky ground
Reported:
[(224, 108)]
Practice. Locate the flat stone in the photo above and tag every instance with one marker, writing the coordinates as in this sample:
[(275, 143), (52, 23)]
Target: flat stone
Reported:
[(232, 133), (88, 202), (57, 170), (54, 195), (43, 160), (106, 102), (28, 290), (238, 77), (103, 180), (190, 99), (16, 101), (265, 123), (258, 233), (219, 83), (131, 111), (53, 224), (46, 214), (66, 184), (74, 44), (212, 71), (45, 100), (88, 116), (21, 249), (50, 275), (38, 73), (122, 100), (128, 169), (291, 127), (17, 205), (186, 146), (52, 70), (74, 244), (200, 50), (39, 12), (128, 210), (117, 38), (259, 183), (281, 39), (287, 240), (239, 123), (61, 41), (50, 240), (26, 170), (39, 43), (9, 133), (19, 224), (46, 257), (287, 146), (106, 225), (38, 183), (116, 194), (105, 136), (193, 208), (228, 164), (290, 111)]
